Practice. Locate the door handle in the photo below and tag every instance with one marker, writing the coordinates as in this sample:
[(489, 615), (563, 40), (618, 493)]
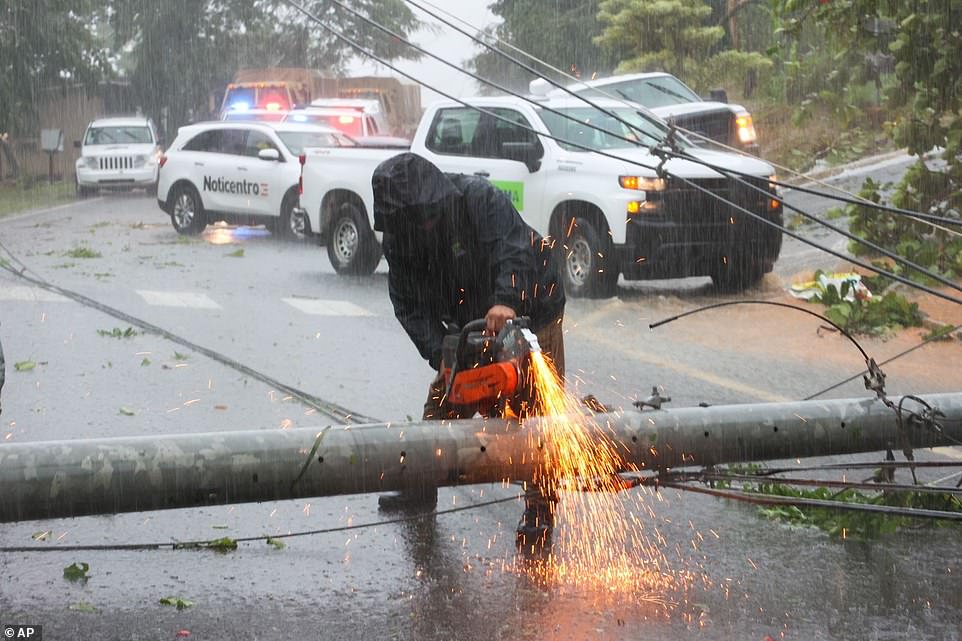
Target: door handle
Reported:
[(483, 174)]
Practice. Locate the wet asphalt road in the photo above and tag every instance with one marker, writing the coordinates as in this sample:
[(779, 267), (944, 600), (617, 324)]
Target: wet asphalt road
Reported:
[(452, 576)]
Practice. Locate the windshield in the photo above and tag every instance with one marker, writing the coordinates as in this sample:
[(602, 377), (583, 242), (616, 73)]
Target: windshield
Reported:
[(645, 131), (118, 136), (297, 141), (659, 91)]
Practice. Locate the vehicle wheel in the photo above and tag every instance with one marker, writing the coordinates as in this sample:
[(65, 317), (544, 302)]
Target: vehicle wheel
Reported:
[(187, 211), (351, 245), (589, 266), (289, 225), (737, 274), (82, 192)]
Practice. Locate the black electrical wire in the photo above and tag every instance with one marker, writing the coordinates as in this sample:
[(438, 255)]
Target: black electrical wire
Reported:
[(886, 510), (885, 362), (838, 230), (333, 410), (585, 99), (854, 261), (848, 485), (212, 543), (705, 308), (658, 168)]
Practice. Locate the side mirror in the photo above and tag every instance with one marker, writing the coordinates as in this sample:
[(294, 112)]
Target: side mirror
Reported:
[(526, 152), (718, 95), (76, 144), (269, 154)]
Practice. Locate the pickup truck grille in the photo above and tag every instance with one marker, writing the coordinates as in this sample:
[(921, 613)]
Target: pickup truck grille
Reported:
[(715, 125), (692, 230), (116, 162)]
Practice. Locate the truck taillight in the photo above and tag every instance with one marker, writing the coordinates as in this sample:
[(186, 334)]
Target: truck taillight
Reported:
[(163, 160), (300, 180)]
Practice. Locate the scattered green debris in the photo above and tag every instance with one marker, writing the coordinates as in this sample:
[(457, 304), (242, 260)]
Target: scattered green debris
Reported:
[(96, 226), (116, 332), (940, 332), (126, 411), (24, 366), (237, 253), (276, 543), (82, 606), (222, 545), (180, 357), (145, 362), (857, 313), (82, 252), (219, 526), (77, 572), (43, 535), (64, 265), (180, 604), (844, 524)]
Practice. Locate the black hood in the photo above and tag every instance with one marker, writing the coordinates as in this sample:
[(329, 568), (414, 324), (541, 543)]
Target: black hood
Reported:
[(408, 185)]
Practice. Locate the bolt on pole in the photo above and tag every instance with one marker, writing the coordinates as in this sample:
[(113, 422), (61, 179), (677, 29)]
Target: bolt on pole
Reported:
[(58, 479)]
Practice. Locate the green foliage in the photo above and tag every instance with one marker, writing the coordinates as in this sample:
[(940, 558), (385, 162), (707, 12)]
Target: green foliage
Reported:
[(77, 572), (934, 247), (560, 32), (179, 603), (178, 51), (880, 315), (25, 366), (44, 43), (669, 35), (116, 332), (849, 524), (82, 252)]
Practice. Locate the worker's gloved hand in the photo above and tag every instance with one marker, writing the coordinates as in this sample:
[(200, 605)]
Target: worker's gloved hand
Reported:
[(496, 317)]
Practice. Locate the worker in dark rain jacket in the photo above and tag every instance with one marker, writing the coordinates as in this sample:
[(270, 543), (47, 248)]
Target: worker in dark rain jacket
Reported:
[(457, 250)]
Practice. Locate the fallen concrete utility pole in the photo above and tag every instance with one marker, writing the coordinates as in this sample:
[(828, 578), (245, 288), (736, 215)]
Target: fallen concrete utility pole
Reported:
[(58, 479)]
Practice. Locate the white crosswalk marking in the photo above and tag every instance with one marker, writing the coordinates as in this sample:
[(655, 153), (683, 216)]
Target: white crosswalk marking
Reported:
[(31, 294), (178, 299), (318, 307)]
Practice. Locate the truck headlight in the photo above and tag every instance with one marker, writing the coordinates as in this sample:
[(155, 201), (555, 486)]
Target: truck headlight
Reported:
[(745, 128), (642, 183), (91, 162)]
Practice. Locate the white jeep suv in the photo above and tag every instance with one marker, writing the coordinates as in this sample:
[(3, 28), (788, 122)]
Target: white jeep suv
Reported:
[(239, 172), (118, 153)]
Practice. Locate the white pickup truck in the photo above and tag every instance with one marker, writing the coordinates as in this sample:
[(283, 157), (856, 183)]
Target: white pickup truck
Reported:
[(608, 216)]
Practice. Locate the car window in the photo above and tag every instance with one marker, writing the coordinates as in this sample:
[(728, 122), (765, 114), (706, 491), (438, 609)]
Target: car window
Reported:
[(453, 131), (204, 141), (257, 140), (580, 127), (233, 141), (372, 127), (510, 127), (128, 135)]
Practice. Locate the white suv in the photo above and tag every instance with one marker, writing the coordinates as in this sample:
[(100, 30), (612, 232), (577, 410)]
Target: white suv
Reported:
[(240, 172), (118, 153)]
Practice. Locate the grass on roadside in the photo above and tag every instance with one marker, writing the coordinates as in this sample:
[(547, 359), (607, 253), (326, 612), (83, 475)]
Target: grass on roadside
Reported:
[(15, 198)]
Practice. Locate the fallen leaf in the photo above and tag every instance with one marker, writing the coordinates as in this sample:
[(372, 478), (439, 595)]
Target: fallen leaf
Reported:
[(24, 366), (126, 411)]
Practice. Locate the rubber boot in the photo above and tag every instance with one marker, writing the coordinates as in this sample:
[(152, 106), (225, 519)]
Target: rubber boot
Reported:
[(537, 521)]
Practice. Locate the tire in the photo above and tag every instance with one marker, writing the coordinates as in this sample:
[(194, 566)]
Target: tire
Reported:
[(737, 275), (588, 265), (82, 192), (289, 226), (351, 245), (186, 210)]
